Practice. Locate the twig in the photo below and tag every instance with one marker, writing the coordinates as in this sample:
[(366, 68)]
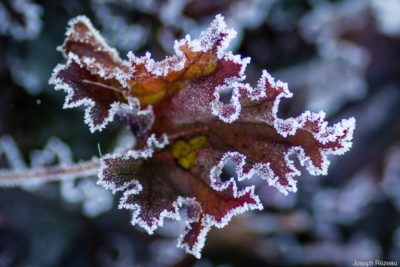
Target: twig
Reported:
[(14, 178)]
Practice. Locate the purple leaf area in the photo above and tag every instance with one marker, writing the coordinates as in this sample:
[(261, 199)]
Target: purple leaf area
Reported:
[(83, 88), (207, 116), (273, 140), (90, 76), (160, 187)]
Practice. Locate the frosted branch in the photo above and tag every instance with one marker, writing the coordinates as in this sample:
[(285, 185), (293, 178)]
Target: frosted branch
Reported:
[(14, 178)]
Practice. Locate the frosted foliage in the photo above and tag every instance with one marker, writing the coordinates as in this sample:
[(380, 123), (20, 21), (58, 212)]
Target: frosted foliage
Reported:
[(23, 75), (391, 181), (197, 217), (164, 252), (152, 144), (322, 252), (30, 14), (118, 30), (94, 199), (194, 103), (324, 91), (9, 150), (324, 26), (328, 21), (266, 87), (387, 15), (241, 15), (348, 204), (80, 76)]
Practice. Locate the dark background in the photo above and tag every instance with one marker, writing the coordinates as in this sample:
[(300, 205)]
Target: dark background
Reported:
[(339, 56)]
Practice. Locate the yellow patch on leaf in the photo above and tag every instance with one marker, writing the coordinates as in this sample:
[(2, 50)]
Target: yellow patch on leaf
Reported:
[(186, 152)]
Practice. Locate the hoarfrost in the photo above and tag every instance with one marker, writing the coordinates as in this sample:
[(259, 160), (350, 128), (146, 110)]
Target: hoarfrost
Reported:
[(26, 24), (94, 199)]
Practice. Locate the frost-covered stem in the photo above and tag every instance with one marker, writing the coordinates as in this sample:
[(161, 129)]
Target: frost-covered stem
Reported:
[(13, 178)]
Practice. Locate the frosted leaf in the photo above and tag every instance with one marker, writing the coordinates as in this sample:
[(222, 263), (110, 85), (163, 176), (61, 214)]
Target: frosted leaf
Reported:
[(83, 40), (94, 75), (207, 117), (139, 121), (110, 178), (91, 75), (156, 188), (254, 117), (198, 62)]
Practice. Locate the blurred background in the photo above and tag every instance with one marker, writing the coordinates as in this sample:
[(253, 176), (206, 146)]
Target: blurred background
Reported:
[(339, 56)]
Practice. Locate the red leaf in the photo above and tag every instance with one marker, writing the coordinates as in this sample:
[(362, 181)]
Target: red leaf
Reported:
[(202, 133), (249, 125), (91, 76), (152, 81), (155, 188)]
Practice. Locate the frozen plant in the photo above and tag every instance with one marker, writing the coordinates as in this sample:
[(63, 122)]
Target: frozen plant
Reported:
[(191, 114), (94, 199), (239, 14), (20, 19), (116, 27)]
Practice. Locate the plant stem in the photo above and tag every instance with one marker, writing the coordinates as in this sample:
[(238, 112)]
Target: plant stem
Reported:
[(18, 177), (13, 178)]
